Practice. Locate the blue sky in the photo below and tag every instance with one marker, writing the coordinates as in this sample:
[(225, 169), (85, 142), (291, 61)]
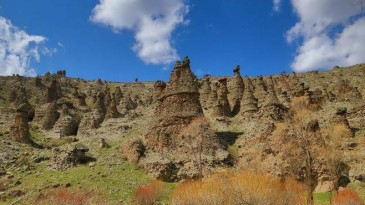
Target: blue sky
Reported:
[(112, 40)]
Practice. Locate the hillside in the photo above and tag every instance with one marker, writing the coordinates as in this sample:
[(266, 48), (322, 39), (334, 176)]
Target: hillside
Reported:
[(108, 138)]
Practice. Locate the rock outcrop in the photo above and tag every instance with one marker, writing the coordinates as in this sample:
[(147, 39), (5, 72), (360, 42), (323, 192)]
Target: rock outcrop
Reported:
[(71, 157), (249, 104), (96, 117), (179, 132), (237, 89), (53, 92), (68, 124), (340, 119), (222, 107), (272, 108), (118, 94), (112, 111), (19, 130), (51, 116), (205, 93)]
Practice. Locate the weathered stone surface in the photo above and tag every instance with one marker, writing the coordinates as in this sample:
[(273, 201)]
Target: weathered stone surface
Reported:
[(272, 107), (96, 117), (221, 107), (112, 111), (248, 102), (68, 124), (51, 116), (71, 157), (236, 91), (53, 92), (118, 94), (133, 150), (179, 130), (19, 130)]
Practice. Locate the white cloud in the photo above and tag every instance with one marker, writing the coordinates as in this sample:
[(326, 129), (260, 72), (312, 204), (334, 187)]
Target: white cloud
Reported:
[(276, 5), (152, 22), (17, 49), (331, 32)]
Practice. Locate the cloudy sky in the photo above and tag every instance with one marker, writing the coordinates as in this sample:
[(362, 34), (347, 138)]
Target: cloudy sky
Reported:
[(121, 40)]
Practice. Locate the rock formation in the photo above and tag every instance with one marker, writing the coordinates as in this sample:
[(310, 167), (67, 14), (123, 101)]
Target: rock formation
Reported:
[(118, 94), (68, 124), (96, 117), (70, 157), (237, 89), (175, 132), (205, 92), (19, 130), (272, 107), (112, 111), (53, 92), (159, 87), (51, 116), (248, 104), (340, 119), (222, 107)]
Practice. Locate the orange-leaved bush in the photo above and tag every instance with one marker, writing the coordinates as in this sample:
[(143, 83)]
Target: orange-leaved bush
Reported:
[(150, 193), (240, 188), (346, 197)]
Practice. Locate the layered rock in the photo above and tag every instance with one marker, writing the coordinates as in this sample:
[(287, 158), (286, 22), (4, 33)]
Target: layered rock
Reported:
[(68, 124), (222, 107), (236, 91), (118, 94), (159, 86), (51, 116), (96, 117), (205, 92), (272, 108), (112, 111), (53, 92), (19, 130), (249, 104), (174, 135)]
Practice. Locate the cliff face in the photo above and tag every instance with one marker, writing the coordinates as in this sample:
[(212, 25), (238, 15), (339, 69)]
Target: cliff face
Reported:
[(187, 117)]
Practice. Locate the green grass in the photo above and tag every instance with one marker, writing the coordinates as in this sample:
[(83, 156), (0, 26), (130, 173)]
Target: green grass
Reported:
[(322, 198)]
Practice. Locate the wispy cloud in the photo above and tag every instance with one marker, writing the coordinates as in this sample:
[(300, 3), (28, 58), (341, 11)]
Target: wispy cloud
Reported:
[(18, 49), (276, 5), (152, 22)]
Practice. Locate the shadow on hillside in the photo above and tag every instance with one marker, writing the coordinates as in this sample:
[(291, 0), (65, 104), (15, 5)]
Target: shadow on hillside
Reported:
[(228, 138)]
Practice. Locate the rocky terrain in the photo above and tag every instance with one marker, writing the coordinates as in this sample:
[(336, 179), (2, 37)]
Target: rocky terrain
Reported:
[(110, 137)]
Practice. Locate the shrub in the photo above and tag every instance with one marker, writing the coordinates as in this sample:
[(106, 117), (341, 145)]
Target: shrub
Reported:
[(240, 188), (346, 197), (150, 193), (66, 196)]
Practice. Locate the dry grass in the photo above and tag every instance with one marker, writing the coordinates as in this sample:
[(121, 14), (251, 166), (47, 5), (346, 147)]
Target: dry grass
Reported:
[(150, 193), (240, 188), (341, 131), (347, 197), (67, 196)]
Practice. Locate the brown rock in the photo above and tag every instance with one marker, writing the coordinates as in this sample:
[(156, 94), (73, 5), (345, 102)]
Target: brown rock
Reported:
[(118, 95), (248, 103), (68, 124), (178, 128), (112, 111), (51, 116), (222, 107), (133, 150), (19, 130), (237, 89)]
